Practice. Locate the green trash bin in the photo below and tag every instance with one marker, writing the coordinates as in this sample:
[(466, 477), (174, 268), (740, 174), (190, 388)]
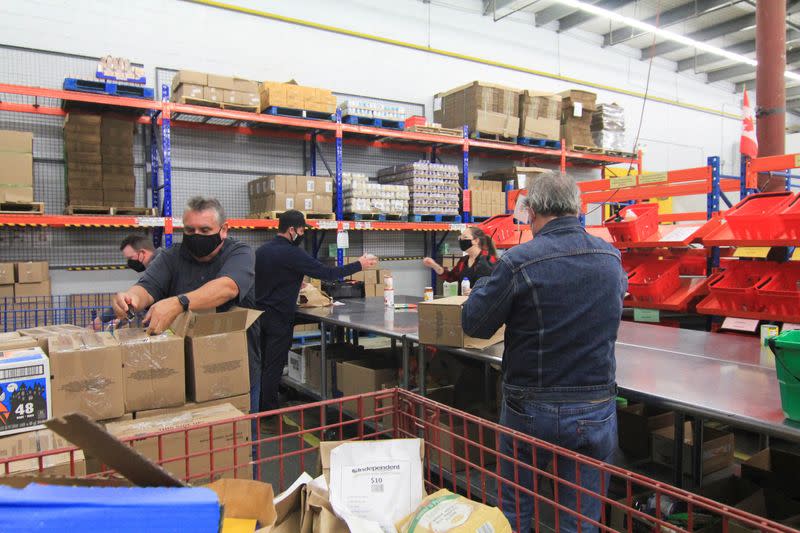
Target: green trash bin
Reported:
[(786, 348)]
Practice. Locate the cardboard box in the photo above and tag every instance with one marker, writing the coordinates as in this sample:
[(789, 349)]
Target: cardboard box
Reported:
[(174, 447), (440, 323), (116, 198), (17, 169), (324, 186), (216, 353), (241, 402), (76, 169), (636, 423), (188, 90), (16, 141), (245, 86), (7, 274), (575, 131), (540, 128), (306, 184), (25, 392), (280, 202), (76, 155), (241, 98), (584, 99), (212, 94), (33, 442), (32, 271), (221, 82), (365, 375), (155, 370), (6, 291), (729, 491), (297, 367), (770, 504), (717, 448), (120, 182), (16, 194), (323, 203), (334, 354), (28, 290), (83, 196), (87, 375), (304, 202), (774, 468), (189, 77)]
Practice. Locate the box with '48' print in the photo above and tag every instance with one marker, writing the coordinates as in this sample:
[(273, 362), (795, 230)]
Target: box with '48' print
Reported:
[(24, 390)]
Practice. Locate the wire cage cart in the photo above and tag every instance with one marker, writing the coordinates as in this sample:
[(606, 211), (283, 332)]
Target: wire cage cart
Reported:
[(37, 311), (461, 454)]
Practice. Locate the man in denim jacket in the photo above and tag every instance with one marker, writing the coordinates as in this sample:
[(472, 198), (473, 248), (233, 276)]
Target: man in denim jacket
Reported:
[(560, 297)]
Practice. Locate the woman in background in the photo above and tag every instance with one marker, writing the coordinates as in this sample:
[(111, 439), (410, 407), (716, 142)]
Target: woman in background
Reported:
[(479, 259)]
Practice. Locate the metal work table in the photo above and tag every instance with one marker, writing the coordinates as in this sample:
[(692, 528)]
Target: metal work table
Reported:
[(705, 375)]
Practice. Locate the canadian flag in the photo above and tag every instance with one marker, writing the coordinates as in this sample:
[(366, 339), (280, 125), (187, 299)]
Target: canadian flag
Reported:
[(748, 144)]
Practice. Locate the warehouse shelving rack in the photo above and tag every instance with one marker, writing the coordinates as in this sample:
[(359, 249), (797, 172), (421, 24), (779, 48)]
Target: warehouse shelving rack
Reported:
[(162, 115)]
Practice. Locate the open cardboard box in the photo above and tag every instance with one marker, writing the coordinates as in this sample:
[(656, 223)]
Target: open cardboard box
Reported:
[(250, 503)]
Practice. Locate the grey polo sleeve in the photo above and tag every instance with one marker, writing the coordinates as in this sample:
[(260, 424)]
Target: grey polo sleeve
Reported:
[(240, 266), (157, 278)]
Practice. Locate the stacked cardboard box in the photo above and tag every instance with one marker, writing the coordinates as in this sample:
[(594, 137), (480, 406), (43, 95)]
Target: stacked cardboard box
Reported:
[(520, 176), (116, 148), (83, 155), (433, 187), (43, 440), (373, 280), (577, 108), (487, 198), (483, 107), (608, 127), (293, 96), (189, 86), (540, 115), (278, 192), (32, 279), (7, 280), (16, 166)]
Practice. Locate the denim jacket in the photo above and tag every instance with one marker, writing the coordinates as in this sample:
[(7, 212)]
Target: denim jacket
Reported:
[(560, 297)]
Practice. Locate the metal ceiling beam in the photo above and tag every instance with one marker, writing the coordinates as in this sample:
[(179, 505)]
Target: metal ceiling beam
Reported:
[(791, 92), (667, 18), (579, 17), (714, 32), (746, 47), (735, 71), (554, 12), (706, 34)]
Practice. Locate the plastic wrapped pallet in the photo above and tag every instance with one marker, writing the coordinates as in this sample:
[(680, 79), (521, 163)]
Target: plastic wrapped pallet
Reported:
[(433, 187), (608, 127), (370, 109)]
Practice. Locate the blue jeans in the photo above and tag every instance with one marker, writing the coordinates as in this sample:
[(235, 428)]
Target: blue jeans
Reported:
[(589, 428)]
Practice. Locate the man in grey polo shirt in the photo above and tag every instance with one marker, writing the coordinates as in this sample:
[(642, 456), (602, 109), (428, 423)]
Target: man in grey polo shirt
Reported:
[(208, 270)]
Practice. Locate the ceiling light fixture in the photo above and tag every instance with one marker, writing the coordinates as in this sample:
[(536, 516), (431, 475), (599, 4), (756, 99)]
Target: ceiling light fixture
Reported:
[(666, 34)]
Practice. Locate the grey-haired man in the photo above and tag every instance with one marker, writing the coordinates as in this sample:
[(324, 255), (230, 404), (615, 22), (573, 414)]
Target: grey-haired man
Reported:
[(560, 297)]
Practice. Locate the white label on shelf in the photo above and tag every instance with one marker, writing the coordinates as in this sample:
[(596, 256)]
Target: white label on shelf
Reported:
[(681, 233), (343, 240), (327, 224), (646, 315), (363, 225), (177, 222), (345, 226), (740, 324), (149, 221), (458, 227), (577, 109)]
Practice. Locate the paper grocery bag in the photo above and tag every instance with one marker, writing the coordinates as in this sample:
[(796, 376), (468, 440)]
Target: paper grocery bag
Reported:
[(311, 296)]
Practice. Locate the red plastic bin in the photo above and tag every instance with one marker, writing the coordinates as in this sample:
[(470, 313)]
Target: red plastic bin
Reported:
[(756, 217), (654, 281), (635, 229), (781, 293), (736, 287), (790, 219)]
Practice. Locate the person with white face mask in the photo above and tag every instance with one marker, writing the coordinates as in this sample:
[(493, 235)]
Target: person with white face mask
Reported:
[(281, 265), (479, 259)]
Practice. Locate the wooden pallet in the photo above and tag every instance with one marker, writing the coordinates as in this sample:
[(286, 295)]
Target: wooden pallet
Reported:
[(435, 130), (479, 135), (109, 210), (188, 100), (587, 149), (274, 215), (378, 217), (21, 208), (615, 153)]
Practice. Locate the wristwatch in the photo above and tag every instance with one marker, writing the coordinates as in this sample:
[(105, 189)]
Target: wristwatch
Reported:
[(184, 301)]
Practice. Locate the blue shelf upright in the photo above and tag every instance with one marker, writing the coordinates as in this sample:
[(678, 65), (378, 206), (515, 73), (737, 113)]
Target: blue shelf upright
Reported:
[(155, 191), (339, 199), (166, 148), (465, 169)]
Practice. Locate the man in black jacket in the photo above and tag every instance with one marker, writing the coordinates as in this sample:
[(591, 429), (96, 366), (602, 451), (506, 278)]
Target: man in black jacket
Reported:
[(280, 266)]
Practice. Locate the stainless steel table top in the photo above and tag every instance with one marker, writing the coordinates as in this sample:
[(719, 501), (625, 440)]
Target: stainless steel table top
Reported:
[(718, 376), (370, 315)]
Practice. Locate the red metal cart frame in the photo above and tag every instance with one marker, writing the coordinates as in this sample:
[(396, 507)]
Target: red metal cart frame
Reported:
[(455, 443)]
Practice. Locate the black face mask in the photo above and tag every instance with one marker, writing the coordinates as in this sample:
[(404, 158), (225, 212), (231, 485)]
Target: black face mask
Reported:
[(465, 244), (298, 239), (202, 245), (136, 265)]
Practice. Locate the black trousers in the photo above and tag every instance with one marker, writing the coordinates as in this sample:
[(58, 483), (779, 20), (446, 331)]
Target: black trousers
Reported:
[(275, 345)]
